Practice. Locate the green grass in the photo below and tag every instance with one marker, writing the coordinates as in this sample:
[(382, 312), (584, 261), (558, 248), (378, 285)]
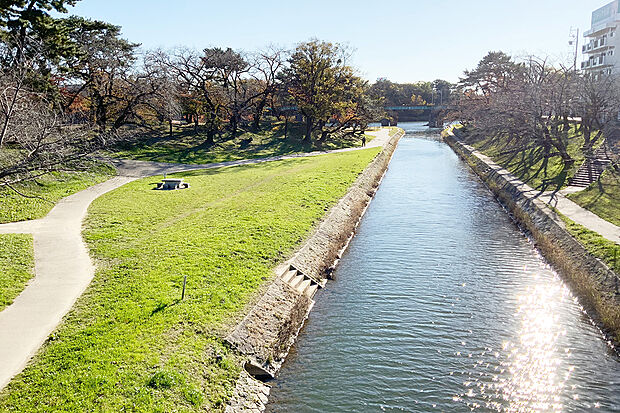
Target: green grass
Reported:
[(587, 287), (51, 188), (187, 147), (394, 130), (130, 344), (597, 245), (16, 265), (529, 164), (602, 197)]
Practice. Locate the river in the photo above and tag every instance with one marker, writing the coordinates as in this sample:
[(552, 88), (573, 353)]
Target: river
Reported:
[(441, 304)]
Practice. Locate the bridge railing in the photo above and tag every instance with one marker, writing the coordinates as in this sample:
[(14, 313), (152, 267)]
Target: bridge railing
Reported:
[(405, 107)]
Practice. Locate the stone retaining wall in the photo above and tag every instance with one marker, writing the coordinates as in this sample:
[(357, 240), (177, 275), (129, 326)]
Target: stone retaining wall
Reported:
[(596, 286), (266, 334)]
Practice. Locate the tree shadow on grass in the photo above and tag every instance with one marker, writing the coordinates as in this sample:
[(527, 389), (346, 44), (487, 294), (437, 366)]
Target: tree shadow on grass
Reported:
[(533, 167)]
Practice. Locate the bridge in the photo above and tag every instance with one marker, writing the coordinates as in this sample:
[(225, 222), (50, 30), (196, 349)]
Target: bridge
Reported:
[(397, 108), (417, 107)]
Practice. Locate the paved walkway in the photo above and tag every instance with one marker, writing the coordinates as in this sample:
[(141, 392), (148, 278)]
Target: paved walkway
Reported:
[(63, 268), (130, 167), (559, 201), (581, 215)]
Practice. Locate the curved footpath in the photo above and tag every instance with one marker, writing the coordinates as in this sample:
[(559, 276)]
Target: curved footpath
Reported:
[(63, 268)]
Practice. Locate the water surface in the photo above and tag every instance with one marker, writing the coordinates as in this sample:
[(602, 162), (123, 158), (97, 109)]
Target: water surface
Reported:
[(441, 304)]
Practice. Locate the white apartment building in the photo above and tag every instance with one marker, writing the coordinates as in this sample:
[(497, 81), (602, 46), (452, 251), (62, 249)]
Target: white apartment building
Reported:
[(602, 41)]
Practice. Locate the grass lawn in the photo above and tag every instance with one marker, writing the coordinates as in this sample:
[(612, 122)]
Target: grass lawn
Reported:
[(129, 343), (51, 188), (607, 251), (602, 197), (530, 165), (393, 130), (16, 265), (187, 147)]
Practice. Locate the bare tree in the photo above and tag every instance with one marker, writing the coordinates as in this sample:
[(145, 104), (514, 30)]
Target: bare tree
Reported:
[(597, 102), (38, 141), (35, 137), (165, 101), (199, 78), (13, 98), (267, 66), (529, 104)]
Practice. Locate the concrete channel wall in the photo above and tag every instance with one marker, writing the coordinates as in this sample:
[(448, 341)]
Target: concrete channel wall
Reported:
[(270, 328), (595, 284)]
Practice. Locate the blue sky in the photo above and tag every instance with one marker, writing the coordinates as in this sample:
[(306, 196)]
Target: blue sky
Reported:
[(404, 41)]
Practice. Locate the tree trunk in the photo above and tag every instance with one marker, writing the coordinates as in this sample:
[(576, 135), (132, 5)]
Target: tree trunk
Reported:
[(258, 113), (9, 114), (285, 126), (195, 123), (210, 141), (324, 135), (234, 125), (101, 119), (309, 123), (561, 148)]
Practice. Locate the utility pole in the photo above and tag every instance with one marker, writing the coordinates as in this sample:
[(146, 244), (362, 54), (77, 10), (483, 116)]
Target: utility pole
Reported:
[(574, 39)]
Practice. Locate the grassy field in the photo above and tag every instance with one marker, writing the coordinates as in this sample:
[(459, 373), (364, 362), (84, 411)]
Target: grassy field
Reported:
[(49, 190), (602, 197), (530, 165), (16, 265), (130, 343), (187, 147)]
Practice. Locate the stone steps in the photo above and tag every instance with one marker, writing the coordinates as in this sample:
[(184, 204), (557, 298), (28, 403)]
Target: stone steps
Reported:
[(300, 282), (591, 169)]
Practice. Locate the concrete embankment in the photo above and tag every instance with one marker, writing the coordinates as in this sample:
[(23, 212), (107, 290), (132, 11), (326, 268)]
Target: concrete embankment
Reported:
[(595, 284), (270, 328)]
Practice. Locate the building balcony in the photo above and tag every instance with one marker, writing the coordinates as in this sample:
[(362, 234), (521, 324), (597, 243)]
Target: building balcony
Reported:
[(599, 48), (599, 31), (597, 62)]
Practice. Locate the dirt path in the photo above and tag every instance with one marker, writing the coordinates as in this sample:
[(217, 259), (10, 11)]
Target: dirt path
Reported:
[(63, 268)]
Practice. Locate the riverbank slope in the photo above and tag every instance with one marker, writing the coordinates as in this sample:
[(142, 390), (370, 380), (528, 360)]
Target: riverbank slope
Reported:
[(130, 340), (594, 283), (266, 334)]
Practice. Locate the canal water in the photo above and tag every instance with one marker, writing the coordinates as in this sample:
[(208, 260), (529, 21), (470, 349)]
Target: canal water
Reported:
[(442, 304)]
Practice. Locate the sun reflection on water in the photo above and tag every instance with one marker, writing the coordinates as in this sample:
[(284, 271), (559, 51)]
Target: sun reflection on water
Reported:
[(531, 372)]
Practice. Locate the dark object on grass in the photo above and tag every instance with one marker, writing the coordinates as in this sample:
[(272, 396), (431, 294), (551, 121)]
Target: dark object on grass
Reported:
[(172, 183)]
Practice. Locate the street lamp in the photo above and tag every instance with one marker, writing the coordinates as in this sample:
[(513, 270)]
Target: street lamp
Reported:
[(440, 97)]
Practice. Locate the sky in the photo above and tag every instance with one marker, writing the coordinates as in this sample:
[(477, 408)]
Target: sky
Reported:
[(402, 40)]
